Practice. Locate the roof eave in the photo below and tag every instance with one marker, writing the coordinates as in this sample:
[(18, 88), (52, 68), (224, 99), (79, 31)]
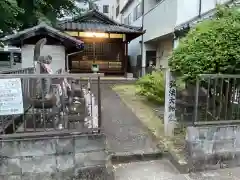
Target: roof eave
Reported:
[(91, 13), (33, 30)]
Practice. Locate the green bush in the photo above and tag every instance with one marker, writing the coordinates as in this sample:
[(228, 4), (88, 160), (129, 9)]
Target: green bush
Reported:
[(152, 87), (212, 47)]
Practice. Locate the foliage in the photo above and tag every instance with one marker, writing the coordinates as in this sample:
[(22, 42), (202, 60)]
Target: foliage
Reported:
[(9, 9), (43, 10), (213, 46), (21, 14), (152, 87)]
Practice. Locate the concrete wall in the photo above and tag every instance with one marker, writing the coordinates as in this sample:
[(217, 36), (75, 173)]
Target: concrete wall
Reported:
[(55, 158), (134, 47), (164, 50), (101, 3), (189, 9), (149, 5), (161, 20)]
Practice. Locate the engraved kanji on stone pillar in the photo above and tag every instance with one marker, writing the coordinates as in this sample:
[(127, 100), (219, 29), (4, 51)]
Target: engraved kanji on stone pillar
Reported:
[(170, 99), (170, 102)]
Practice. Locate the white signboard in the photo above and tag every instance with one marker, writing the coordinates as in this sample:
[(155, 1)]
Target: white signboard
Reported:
[(11, 99)]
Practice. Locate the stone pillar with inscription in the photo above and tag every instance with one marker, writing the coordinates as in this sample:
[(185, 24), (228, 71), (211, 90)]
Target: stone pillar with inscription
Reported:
[(170, 121), (170, 104)]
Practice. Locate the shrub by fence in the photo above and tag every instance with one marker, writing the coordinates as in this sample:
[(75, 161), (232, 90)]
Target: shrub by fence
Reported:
[(152, 86)]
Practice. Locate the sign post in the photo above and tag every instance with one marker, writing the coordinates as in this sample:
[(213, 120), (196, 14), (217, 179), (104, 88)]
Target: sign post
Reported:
[(11, 99)]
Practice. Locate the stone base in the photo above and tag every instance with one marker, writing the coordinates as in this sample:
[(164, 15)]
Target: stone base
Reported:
[(88, 173), (54, 158), (170, 127)]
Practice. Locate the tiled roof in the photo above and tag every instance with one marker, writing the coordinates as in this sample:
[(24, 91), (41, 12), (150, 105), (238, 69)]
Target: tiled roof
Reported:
[(98, 27), (32, 32), (96, 21)]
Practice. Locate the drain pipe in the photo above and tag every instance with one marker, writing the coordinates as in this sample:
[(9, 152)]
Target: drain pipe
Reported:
[(71, 54), (142, 35), (200, 8)]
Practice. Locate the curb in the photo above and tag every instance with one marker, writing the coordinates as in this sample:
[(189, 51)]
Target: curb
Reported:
[(118, 158), (182, 167), (133, 157), (110, 82)]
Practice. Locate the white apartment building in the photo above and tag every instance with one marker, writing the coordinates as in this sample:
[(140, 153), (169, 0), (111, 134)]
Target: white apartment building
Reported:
[(163, 20), (104, 6)]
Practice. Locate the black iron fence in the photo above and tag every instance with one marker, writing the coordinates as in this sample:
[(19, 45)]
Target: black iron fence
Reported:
[(213, 139), (217, 99), (68, 106), (58, 134)]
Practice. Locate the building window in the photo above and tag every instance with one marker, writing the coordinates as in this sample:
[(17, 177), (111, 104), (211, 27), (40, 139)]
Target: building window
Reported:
[(17, 57), (117, 11), (105, 8), (129, 19), (126, 21), (137, 12), (5, 56)]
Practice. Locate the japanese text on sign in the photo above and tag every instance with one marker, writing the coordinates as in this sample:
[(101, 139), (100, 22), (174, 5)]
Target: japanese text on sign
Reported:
[(11, 100)]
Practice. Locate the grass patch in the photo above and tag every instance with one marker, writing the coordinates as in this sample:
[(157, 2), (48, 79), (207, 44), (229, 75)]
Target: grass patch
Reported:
[(144, 110)]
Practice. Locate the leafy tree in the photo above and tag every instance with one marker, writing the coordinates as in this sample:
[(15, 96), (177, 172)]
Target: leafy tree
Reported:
[(44, 10), (213, 46), (9, 9), (21, 14)]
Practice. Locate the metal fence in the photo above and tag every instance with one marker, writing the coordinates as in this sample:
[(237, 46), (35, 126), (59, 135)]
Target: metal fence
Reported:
[(70, 106), (213, 99), (29, 70), (217, 99), (213, 139)]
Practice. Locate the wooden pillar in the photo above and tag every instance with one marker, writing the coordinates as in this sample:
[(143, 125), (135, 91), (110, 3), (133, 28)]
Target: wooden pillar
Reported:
[(125, 57)]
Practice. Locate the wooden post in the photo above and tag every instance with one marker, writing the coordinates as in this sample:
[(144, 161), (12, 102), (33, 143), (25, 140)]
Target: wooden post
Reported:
[(126, 58)]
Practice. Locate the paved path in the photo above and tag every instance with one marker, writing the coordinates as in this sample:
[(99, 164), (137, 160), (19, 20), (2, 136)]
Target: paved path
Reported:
[(163, 170), (146, 170), (123, 129)]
